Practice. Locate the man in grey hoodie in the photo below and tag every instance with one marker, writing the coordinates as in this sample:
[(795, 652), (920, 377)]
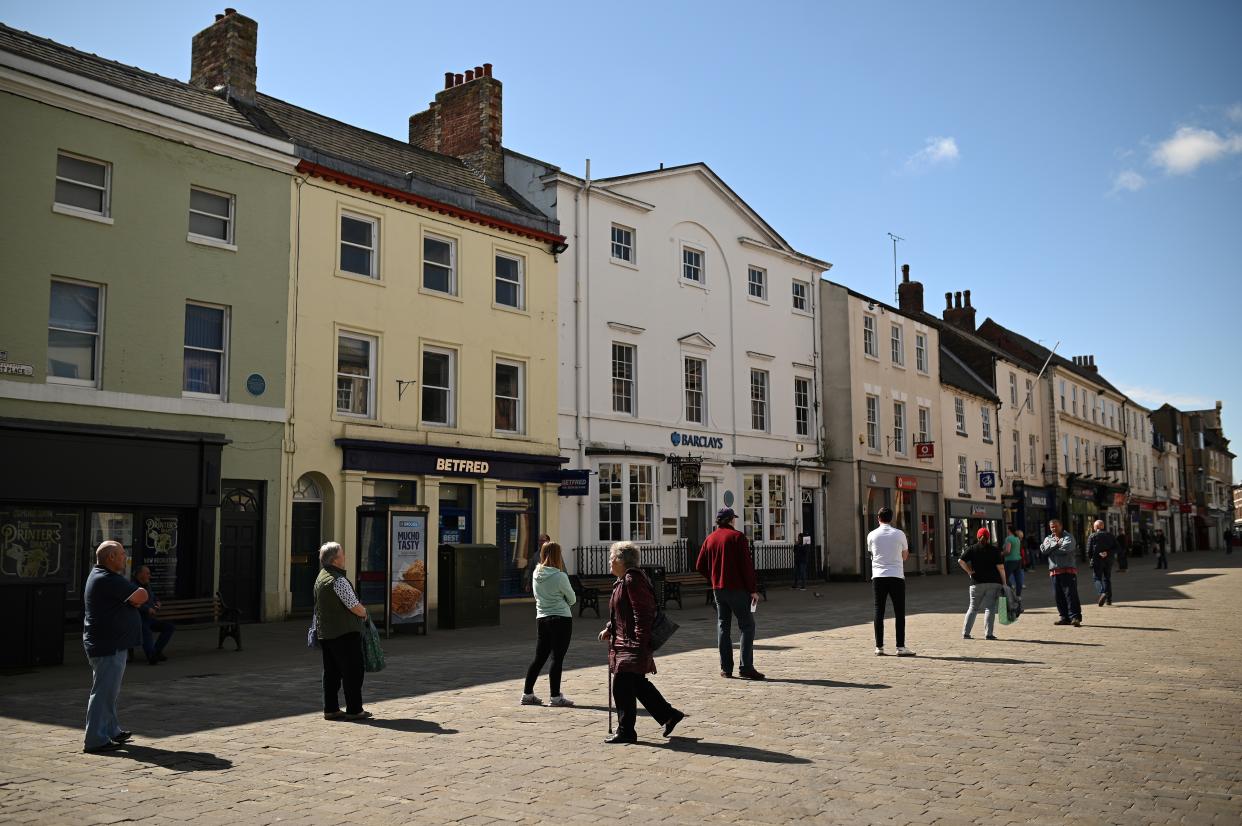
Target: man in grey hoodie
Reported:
[(1062, 553)]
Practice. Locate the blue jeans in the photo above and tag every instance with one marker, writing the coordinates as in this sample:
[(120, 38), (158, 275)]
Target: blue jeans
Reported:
[(799, 579), (735, 603), (1015, 575), (101, 722), (150, 646), (1103, 576), (1065, 589)]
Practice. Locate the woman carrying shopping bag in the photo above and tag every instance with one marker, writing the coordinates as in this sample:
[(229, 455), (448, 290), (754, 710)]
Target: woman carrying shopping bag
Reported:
[(554, 597), (339, 621)]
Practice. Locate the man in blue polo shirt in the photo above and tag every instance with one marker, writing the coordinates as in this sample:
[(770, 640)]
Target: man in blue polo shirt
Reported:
[(110, 628)]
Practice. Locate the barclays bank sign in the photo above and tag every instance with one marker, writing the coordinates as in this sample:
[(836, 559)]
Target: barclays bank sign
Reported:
[(695, 440)]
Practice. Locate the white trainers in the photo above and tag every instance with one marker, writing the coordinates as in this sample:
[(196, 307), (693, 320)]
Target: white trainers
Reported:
[(879, 651), (562, 701), (531, 700), (902, 651)]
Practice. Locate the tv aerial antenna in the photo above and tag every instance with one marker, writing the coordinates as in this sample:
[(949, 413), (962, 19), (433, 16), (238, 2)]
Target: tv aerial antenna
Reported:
[(896, 292)]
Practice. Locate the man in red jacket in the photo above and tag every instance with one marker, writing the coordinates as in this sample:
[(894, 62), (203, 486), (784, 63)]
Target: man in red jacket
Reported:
[(726, 562)]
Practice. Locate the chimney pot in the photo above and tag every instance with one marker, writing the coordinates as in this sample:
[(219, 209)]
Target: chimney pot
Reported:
[(464, 121), (228, 12), (219, 16), (487, 70), (458, 79), (448, 80), (478, 71), (967, 294), (469, 75), (905, 272), (948, 301), (957, 300)]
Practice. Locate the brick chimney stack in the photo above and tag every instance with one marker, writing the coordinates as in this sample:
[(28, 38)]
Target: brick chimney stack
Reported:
[(958, 314), (464, 121), (1087, 362), (223, 54), (909, 293)]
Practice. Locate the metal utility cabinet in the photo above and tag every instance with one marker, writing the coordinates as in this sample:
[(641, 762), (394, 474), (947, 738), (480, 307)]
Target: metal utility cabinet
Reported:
[(469, 586)]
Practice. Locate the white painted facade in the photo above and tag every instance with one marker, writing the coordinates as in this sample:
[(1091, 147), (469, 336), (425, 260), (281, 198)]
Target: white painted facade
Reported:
[(682, 313)]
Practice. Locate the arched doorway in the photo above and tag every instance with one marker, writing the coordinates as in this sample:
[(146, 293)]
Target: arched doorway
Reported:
[(307, 534), (241, 548)]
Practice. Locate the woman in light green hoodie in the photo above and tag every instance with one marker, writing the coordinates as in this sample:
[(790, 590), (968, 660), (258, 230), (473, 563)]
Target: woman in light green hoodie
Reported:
[(553, 598)]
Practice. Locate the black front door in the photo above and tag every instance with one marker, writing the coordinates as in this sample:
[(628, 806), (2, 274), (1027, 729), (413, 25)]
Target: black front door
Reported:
[(241, 549), (304, 553)]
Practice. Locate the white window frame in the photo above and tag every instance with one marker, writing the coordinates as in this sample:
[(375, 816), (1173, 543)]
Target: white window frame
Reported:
[(96, 379), (371, 377), (759, 403), (872, 417), (1062, 395), (963, 475), (897, 344), (761, 283), (759, 511), (69, 209), (521, 280), (986, 416), (452, 266), (230, 222), (1017, 452), (691, 392), (224, 354), (871, 347), (899, 428), (627, 478), (959, 415), (450, 402), (802, 406), (1013, 389), (631, 382), (1031, 448), (631, 248), (519, 400), (924, 424), (687, 267), (804, 297), (373, 249), (920, 352), (1029, 401)]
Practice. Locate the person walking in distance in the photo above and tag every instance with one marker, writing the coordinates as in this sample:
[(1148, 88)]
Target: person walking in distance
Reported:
[(889, 550), (554, 596), (1013, 560), (983, 564), (725, 561), (1123, 552), (1062, 553), (110, 627), (631, 618), (1101, 551), (802, 552), (1162, 557)]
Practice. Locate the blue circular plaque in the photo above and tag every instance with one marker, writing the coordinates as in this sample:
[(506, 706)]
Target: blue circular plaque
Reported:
[(256, 384), (728, 498)]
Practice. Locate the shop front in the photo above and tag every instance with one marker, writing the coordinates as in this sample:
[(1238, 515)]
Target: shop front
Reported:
[(1082, 509), (69, 487), (914, 494), (1141, 519), (1036, 505), (470, 496), (964, 518)]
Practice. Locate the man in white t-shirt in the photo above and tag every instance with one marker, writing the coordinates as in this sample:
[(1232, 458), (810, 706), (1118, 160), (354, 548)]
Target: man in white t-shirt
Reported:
[(889, 550)]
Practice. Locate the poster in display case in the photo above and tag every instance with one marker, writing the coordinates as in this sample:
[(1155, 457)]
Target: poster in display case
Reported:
[(407, 570)]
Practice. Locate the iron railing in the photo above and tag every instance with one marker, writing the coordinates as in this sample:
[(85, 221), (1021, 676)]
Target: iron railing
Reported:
[(592, 560)]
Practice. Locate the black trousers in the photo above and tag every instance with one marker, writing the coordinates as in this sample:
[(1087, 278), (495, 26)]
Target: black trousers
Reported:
[(342, 663), (886, 588), (554, 636), (628, 687)]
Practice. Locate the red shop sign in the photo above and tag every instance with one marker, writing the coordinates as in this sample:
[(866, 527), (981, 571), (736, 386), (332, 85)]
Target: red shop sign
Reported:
[(1147, 506), (1119, 500), (1187, 508), (907, 483), (925, 450)]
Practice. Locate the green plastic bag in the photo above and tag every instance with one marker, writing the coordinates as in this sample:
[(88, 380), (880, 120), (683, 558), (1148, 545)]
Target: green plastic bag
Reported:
[(1009, 607), (1002, 611), (372, 651)]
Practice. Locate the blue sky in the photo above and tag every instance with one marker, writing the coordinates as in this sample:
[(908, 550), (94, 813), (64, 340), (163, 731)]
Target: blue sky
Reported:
[(1077, 165)]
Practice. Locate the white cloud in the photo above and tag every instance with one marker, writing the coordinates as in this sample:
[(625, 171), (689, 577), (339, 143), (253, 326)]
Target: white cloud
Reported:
[(1154, 397), (1128, 181), (1234, 112), (1190, 147), (937, 151)]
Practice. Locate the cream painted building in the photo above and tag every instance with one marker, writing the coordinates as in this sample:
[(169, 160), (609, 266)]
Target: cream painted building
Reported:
[(881, 400)]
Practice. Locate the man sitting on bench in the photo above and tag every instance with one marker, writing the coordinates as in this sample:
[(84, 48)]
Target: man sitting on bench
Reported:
[(151, 623)]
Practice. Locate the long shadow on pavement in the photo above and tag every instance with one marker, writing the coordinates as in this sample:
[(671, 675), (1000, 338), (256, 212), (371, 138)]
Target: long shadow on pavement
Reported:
[(989, 660), (694, 745), (181, 761), (827, 683), (1055, 642), (408, 724), (1098, 626)]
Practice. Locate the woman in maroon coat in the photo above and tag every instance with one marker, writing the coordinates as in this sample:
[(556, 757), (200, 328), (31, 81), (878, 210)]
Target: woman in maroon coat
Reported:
[(631, 612)]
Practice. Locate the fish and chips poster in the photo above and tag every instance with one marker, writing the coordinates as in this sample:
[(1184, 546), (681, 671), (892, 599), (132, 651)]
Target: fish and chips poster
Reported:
[(407, 598)]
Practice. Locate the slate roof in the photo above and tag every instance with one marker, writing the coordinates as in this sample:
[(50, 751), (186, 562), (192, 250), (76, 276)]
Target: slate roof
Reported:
[(955, 373), (319, 138), (1022, 347)]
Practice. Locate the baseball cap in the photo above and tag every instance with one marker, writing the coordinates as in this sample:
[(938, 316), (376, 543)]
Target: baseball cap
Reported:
[(724, 514), (983, 533)]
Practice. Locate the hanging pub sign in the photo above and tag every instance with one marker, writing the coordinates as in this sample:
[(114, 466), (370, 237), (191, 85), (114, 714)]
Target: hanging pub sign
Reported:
[(574, 483), (987, 479), (925, 450), (1119, 500), (407, 570), (1114, 457)]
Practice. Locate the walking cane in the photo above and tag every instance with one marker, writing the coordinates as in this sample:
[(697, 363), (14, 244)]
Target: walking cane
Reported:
[(610, 699)]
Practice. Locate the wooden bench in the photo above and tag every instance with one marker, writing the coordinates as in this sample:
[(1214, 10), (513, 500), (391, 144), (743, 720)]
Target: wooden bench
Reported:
[(203, 612), (588, 590), (677, 584)]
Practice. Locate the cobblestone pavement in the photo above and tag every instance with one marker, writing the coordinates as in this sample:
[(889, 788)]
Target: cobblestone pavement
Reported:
[(1134, 718)]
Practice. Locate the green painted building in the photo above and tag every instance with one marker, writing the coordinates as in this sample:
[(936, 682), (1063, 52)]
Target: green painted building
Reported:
[(144, 319)]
